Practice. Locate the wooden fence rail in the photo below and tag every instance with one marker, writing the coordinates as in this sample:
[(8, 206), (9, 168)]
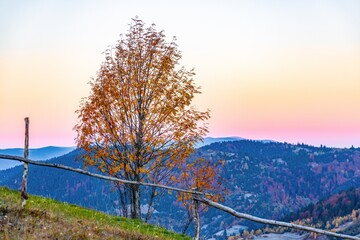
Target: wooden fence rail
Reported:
[(198, 196), (271, 222), (81, 171)]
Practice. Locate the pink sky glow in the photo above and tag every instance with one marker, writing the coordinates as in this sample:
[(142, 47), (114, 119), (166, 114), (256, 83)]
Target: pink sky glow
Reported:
[(282, 70)]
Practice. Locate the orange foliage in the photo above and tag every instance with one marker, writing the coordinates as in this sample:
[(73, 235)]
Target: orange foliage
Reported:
[(202, 176), (138, 120)]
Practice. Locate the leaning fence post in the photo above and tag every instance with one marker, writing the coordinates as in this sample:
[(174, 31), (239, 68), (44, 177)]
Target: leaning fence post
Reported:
[(196, 214), (24, 195)]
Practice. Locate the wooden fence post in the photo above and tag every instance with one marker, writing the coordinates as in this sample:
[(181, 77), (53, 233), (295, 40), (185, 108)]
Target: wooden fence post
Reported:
[(24, 195), (196, 214)]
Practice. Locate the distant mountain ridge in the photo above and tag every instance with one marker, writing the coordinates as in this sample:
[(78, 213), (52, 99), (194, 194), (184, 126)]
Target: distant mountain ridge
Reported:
[(44, 153), (210, 140)]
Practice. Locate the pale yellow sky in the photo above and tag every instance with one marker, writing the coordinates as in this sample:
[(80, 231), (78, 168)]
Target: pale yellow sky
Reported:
[(278, 69)]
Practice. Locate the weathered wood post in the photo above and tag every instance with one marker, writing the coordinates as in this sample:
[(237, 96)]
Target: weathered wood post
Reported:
[(24, 195), (196, 214)]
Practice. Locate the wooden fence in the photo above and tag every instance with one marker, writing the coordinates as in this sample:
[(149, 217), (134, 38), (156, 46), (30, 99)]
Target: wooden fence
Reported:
[(197, 196)]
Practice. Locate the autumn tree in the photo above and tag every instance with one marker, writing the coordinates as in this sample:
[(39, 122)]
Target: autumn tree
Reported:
[(138, 122), (203, 176)]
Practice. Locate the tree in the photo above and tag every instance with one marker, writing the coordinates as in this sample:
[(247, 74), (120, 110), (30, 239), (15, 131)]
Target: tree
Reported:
[(138, 122), (258, 232), (201, 175)]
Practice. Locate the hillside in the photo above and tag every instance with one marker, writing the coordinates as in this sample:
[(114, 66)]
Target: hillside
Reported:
[(266, 179), (48, 219), (337, 205), (338, 213), (274, 179)]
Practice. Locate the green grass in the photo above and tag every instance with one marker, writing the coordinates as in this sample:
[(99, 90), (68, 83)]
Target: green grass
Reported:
[(45, 218)]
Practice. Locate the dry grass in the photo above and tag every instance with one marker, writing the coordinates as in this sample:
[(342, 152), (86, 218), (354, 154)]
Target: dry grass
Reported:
[(48, 219)]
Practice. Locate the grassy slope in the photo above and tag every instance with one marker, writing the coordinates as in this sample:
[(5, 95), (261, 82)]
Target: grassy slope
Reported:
[(45, 218)]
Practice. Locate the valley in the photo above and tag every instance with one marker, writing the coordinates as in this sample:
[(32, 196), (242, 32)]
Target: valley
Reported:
[(266, 179)]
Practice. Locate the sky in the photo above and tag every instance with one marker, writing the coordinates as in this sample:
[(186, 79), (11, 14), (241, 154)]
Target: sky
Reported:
[(283, 70)]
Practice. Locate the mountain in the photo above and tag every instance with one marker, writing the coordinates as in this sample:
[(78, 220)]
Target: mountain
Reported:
[(49, 152), (266, 179), (46, 153), (274, 179), (210, 140), (34, 154)]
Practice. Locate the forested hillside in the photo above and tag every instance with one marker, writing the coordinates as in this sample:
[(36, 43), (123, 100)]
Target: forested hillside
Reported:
[(269, 179), (331, 210)]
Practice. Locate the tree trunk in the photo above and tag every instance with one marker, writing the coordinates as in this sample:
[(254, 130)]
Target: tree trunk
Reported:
[(151, 201), (123, 196), (135, 202), (188, 222)]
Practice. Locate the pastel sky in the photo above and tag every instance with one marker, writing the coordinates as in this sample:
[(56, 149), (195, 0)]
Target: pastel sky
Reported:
[(284, 70)]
